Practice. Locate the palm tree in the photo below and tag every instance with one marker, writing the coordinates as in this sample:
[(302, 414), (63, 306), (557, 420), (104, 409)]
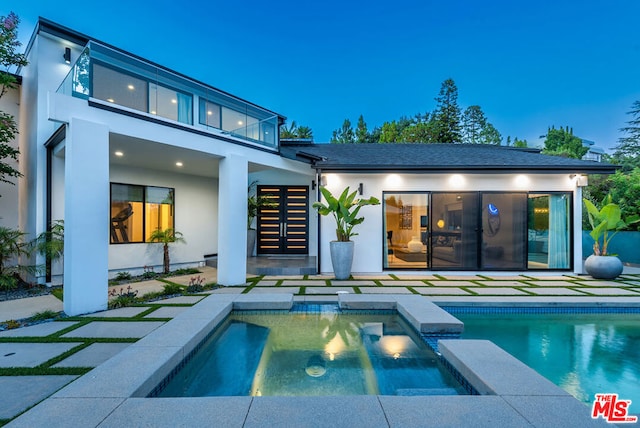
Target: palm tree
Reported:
[(290, 132), (12, 245), (51, 243), (304, 132), (166, 237)]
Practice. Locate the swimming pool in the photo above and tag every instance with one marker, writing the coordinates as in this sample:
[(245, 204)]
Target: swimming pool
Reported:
[(583, 353), (277, 353)]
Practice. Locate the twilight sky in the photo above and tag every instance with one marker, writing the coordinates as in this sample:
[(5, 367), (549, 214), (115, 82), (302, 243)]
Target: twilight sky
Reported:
[(529, 65)]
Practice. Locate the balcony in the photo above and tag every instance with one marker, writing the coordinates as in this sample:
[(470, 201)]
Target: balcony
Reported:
[(114, 77)]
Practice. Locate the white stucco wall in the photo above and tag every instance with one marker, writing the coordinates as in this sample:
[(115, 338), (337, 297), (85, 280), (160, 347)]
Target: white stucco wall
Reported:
[(368, 256), (196, 217)]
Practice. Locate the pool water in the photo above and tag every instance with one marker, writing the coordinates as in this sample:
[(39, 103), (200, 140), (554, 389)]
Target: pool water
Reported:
[(312, 354), (584, 354)]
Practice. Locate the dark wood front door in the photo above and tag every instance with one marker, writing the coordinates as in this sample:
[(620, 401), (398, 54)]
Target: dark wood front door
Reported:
[(283, 227)]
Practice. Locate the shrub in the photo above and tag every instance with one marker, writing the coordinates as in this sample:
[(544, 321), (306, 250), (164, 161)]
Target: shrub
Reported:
[(195, 284), (44, 315), (123, 276), (186, 271), (123, 298), (171, 288), (12, 324)]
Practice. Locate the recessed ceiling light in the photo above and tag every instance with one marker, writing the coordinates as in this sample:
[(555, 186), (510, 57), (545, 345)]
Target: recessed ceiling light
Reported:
[(239, 122), (111, 100), (131, 87), (118, 153), (178, 163), (174, 101), (209, 112)]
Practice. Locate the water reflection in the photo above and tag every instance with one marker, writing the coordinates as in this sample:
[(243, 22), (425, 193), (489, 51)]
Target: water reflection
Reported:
[(583, 354)]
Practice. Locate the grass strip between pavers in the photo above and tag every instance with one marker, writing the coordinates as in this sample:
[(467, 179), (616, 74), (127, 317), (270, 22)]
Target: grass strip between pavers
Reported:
[(39, 371)]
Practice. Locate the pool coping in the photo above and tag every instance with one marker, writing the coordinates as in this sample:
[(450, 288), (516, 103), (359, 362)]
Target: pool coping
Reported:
[(115, 391)]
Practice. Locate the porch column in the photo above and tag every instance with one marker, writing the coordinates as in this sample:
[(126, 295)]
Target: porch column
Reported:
[(578, 266), (86, 215), (232, 220)]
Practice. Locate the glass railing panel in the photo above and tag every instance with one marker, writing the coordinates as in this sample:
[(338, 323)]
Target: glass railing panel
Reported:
[(124, 80)]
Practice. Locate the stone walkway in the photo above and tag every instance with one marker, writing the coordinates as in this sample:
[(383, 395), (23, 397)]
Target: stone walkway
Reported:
[(37, 361)]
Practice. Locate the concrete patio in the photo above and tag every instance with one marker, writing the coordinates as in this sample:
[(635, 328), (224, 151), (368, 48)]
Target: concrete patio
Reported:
[(94, 339)]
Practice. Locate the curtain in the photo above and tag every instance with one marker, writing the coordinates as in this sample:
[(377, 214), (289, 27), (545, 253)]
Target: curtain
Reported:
[(558, 232), (184, 108)]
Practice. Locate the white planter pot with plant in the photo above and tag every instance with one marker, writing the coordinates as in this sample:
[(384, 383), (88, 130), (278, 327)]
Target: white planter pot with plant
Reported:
[(605, 224), (344, 210)]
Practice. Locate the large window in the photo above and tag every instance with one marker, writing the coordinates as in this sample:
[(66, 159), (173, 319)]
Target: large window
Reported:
[(136, 211), (125, 89), (406, 224)]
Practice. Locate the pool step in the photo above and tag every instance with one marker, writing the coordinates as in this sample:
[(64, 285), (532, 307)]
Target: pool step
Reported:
[(426, 391)]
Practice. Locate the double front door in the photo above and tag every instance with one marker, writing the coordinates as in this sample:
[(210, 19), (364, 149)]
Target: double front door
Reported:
[(283, 224)]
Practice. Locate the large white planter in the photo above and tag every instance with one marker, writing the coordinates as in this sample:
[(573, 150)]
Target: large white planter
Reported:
[(603, 267), (341, 258), (251, 241)]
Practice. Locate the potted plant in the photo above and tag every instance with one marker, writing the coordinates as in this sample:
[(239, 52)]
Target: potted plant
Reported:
[(345, 211), (254, 203), (605, 223)]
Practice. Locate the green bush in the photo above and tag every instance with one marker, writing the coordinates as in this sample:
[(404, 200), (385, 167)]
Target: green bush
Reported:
[(44, 315), (123, 276), (171, 288)]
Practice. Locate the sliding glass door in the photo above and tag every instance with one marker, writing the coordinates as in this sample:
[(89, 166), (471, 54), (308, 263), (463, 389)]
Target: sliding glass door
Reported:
[(479, 230), (454, 237), (549, 231), (504, 231), (476, 230), (406, 230)]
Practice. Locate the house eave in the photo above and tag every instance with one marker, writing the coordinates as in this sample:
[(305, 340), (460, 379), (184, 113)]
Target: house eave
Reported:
[(476, 169)]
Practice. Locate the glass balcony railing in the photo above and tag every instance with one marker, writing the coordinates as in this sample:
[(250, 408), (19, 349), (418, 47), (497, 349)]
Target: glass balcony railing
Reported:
[(114, 77)]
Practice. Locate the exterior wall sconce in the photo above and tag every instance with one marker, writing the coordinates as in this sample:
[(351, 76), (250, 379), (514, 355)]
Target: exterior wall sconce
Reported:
[(360, 189), (322, 181), (581, 180), (67, 55)]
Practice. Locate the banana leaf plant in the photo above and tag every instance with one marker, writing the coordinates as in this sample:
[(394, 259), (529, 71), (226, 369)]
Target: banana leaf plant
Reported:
[(344, 209), (605, 224)]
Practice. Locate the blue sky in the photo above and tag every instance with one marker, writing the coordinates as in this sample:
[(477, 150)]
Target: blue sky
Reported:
[(529, 65)]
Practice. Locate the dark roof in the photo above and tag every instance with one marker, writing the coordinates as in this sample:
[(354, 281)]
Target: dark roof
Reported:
[(436, 158)]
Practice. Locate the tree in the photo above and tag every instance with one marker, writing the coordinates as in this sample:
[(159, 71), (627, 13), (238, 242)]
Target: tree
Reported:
[(12, 246), (473, 123), (344, 135), (562, 142), (389, 132), (628, 148), (520, 143), (304, 132), (296, 132), (447, 114), (8, 59), (290, 132), (166, 237), (362, 134), (490, 135)]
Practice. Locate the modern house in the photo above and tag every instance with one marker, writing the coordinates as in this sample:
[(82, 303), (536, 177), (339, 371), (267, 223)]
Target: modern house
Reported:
[(118, 146)]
